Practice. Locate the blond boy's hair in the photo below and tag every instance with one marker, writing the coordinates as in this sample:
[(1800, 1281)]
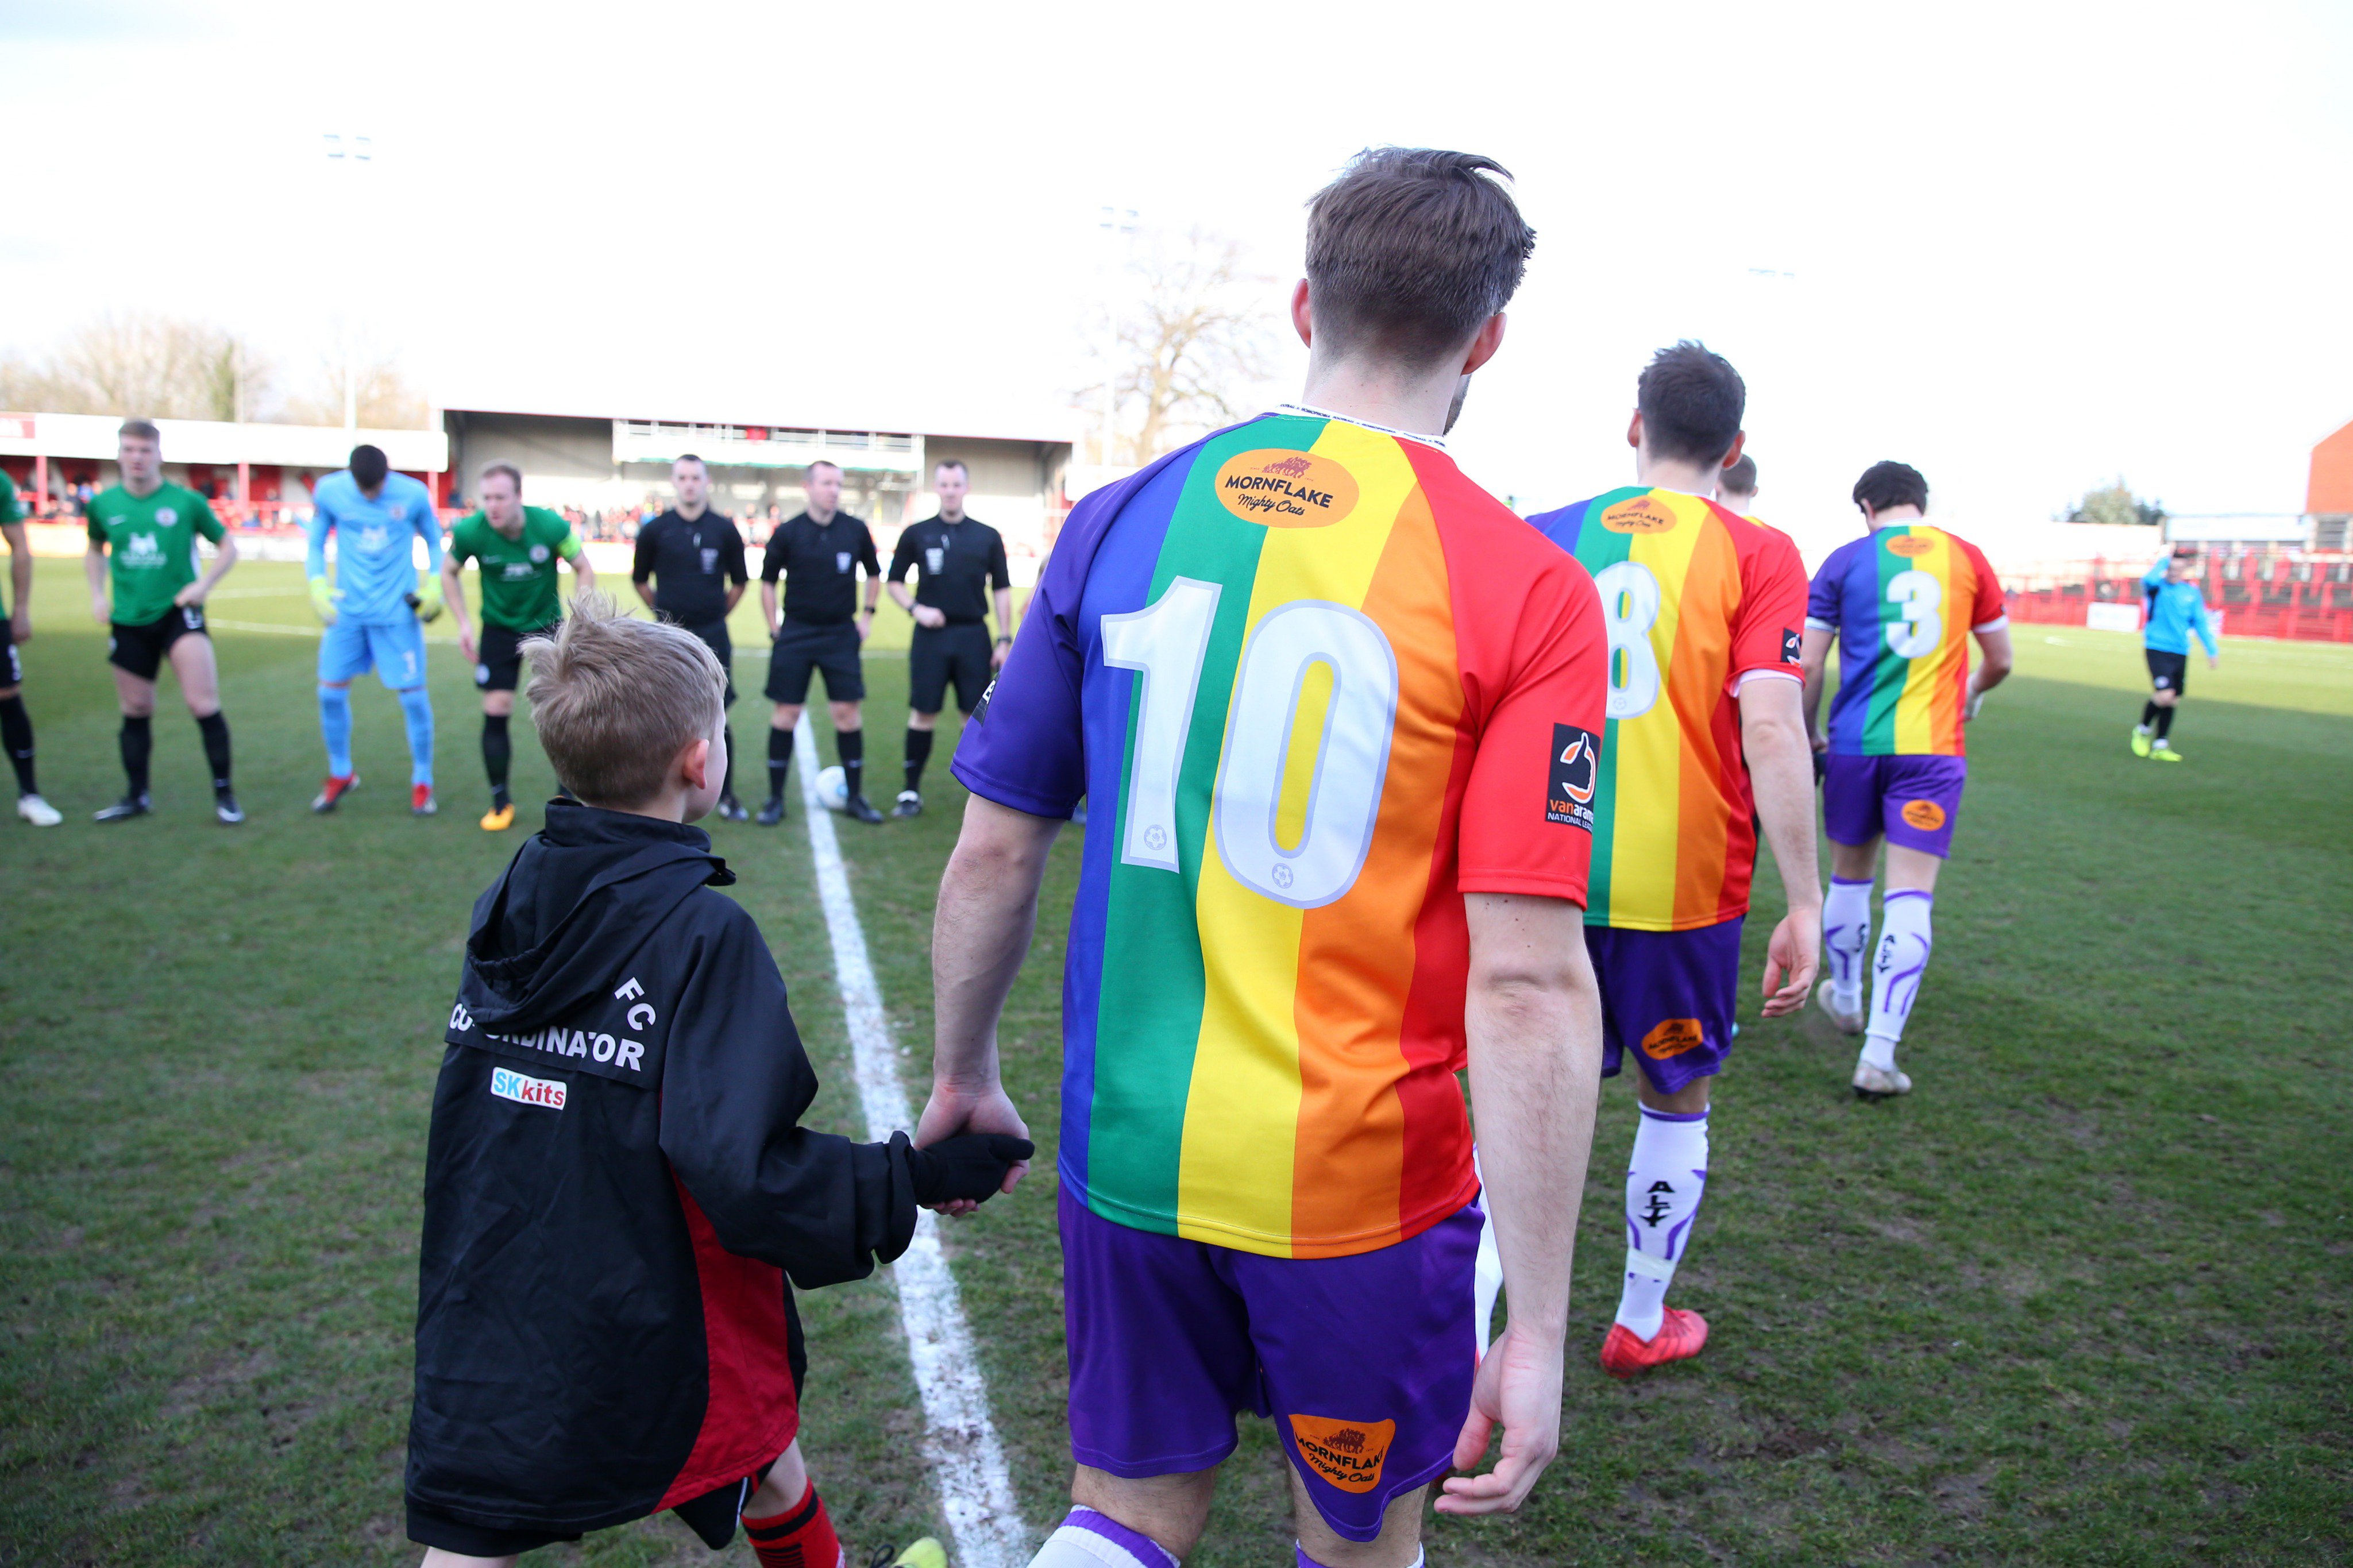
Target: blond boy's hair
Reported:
[(616, 699)]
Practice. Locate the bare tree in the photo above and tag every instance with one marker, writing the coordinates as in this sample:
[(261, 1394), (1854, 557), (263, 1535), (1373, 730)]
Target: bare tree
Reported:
[(1190, 346), (159, 367), (385, 400)]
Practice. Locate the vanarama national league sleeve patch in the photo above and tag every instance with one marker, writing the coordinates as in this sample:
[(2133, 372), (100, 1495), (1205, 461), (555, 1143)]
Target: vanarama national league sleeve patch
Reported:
[(1570, 779)]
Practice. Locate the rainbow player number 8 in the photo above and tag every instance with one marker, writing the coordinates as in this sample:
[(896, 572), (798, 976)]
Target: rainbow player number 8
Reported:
[(1630, 608)]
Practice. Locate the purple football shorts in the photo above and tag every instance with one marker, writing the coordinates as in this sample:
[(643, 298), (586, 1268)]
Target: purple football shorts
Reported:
[(1666, 999), (1363, 1362), (1914, 800)]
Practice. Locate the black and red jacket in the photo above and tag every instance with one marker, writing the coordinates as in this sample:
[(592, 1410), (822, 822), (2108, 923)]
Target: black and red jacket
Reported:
[(616, 1189)]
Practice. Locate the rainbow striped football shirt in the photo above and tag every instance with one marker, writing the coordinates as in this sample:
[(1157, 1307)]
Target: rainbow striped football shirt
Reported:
[(1315, 685), (1694, 599), (1904, 602)]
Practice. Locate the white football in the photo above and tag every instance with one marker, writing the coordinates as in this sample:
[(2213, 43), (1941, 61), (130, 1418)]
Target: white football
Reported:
[(832, 788)]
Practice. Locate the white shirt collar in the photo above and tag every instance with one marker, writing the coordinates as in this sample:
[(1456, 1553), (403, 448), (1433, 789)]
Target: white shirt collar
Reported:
[(1308, 411)]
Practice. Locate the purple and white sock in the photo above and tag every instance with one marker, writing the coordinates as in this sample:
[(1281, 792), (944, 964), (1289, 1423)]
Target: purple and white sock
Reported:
[(1906, 938), (1301, 1560), (1846, 937), (1086, 1539), (1664, 1181)]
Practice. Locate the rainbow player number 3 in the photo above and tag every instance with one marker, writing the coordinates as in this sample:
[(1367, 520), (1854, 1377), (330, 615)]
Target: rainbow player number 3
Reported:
[(1165, 644)]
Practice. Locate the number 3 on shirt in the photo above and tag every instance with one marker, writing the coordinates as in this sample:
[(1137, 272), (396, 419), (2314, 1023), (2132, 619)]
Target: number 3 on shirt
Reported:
[(1919, 628), (1165, 644), (1630, 608)]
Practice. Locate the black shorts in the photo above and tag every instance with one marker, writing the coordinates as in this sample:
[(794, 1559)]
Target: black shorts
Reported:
[(801, 647), (141, 650), (2168, 671), (942, 654), (498, 656), (711, 1516), (714, 637)]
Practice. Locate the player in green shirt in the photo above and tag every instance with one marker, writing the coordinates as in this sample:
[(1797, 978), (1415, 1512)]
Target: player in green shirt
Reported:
[(150, 529), (15, 724), (516, 547)]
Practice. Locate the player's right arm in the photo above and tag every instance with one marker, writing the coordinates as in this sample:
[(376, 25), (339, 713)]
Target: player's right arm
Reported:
[(902, 561), (772, 566), (1814, 651), (314, 560), (20, 578), (453, 591), (641, 568), (93, 567)]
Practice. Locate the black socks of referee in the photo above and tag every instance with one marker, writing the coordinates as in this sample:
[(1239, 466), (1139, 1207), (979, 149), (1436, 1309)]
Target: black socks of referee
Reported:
[(138, 745), (16, 734), (851, 746), (215, 726), (919, 752), (497, 757), (780, 760)]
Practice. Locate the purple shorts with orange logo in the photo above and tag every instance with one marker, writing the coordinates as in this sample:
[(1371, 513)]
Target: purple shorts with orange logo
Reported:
[(1666, 999), (1915, 800), (1364, 1362)]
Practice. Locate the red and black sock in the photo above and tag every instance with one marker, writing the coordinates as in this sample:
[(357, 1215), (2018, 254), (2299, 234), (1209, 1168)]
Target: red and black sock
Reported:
[(800, 1537)]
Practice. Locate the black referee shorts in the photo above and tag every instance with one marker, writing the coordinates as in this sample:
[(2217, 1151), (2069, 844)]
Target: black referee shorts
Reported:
[(802, 648), (942, 654), (714, 637), (2168, 671)]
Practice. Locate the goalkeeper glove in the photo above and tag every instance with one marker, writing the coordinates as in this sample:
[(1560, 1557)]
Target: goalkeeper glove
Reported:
[(428, 599), (322, 599), (969, 1167)]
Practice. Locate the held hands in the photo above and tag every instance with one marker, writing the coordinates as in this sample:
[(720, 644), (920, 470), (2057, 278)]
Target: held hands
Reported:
[(1518, 1389), (1822, 744), (323, 600), (1792, 956), (970, 1168), (953, 1111)]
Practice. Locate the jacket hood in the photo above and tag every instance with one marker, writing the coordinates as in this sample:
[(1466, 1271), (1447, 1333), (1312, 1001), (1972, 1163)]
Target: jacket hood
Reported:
[(579, 899)]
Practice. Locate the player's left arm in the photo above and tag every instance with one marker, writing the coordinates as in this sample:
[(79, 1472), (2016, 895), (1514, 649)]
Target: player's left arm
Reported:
[(871, 565), (223, 556), (1989, 624), (20, 578), (575, 554), (1000, 578), (1767, 675), (2202, 624), (738, 577)]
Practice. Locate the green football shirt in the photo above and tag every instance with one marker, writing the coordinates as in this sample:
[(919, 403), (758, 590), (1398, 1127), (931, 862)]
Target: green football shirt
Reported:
[(519, 589), (151, 540), (9, 512)]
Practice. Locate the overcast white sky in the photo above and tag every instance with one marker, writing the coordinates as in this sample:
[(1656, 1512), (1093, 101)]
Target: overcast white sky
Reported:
[(2028, 247)]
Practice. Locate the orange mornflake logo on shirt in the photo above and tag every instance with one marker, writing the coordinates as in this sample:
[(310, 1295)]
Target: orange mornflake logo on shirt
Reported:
[(1910, 545), (1348, 1454), (1282, 488), (1673, 1038), (1643, 514), (1925, 815)]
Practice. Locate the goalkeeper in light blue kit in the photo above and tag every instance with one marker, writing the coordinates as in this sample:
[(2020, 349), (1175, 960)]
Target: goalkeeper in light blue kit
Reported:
[(372, 610)]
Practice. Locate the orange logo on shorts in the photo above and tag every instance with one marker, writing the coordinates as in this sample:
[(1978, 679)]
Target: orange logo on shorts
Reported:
[(1673, 1038), (1640, 515), (1925, 815), (1348, 1454), (1910, 545)]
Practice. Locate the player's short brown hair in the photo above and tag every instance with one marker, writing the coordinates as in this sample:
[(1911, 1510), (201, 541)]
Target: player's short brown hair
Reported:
[(955, 463), (1741, 477), (615, 700), (501, 466), (145, 429), (1692, 402), (1885, 486), (1410, 249)]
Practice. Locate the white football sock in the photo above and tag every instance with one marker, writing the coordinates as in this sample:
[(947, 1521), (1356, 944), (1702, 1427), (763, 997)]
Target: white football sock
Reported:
[(1090, 1540), (1902, 957), (1664, 1180), (1846, 937)]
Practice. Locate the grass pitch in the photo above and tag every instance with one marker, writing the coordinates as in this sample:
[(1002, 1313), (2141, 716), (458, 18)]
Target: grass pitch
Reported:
[(2082, 1299)]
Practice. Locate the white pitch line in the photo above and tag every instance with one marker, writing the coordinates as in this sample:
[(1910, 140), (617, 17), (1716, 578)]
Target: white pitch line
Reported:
[(959, 1442)]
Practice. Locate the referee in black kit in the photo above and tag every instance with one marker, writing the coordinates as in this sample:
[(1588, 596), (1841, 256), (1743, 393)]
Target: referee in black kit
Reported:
[(958, 561), (819, 553), (694, 558)]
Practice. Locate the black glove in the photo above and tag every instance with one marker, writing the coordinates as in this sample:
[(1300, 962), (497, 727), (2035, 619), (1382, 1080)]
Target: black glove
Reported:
[(970, 1166), (1822, 766)]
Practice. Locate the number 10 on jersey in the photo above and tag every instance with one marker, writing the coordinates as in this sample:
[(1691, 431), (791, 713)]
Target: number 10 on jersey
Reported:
[(1165, 645)]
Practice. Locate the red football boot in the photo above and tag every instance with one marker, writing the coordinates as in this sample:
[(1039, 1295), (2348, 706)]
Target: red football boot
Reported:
[(1681, 1336), (333, 790)]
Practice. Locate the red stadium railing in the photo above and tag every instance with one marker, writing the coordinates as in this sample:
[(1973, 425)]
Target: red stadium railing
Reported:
[(2301, 599)]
